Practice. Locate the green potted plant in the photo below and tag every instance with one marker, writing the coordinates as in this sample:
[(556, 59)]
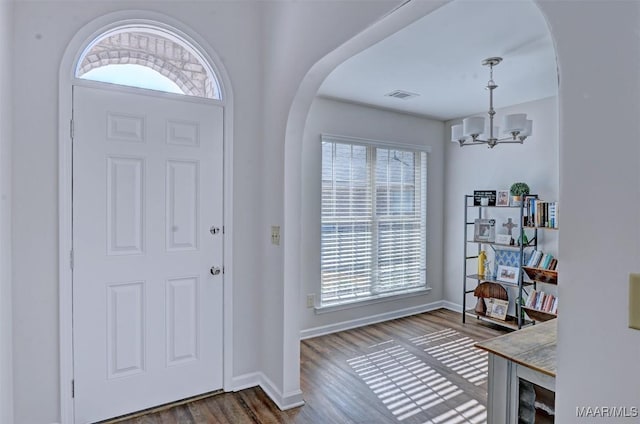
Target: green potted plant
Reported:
[(518, 190)]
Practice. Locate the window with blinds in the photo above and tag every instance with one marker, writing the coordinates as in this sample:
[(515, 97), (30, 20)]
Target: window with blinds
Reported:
[(374, 202)]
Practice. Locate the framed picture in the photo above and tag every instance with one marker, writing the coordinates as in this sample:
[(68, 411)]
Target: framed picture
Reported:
[(497, 308), (508, 274), (484, 230), (502, 198), (484, 198), (508, 257)]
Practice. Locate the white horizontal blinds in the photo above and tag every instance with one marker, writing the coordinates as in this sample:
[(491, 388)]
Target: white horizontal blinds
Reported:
[(346, 222), (374, 202), (400, 182)]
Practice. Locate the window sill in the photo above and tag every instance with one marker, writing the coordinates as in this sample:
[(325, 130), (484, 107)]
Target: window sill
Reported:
[(372, 300)]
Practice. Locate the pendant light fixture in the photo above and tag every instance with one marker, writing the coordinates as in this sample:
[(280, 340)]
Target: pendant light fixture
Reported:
[(473, 132)]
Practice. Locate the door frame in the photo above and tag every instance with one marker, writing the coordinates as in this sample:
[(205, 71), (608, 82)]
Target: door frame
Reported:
[(67, 80)]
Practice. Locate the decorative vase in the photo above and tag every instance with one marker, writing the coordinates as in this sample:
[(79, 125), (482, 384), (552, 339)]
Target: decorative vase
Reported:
[(481, 308), (482, 257), (488, 271), (516, 200)]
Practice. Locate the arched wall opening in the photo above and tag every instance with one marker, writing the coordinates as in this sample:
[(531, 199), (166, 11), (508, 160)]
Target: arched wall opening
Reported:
[(200, 72), (293, 184)]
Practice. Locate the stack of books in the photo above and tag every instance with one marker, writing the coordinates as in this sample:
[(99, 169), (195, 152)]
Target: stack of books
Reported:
[(542, 214), (542, 301), (541, 260)]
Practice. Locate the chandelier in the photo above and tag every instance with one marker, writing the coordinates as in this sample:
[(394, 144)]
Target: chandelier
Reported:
[(472, 131)]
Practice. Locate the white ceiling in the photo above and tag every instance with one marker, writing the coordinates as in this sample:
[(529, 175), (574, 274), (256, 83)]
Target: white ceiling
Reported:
[(439, 57)]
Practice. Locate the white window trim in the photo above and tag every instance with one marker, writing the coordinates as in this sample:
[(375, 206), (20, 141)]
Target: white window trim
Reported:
[(160, 29), (372, 142), (371, 300), (382, 297)]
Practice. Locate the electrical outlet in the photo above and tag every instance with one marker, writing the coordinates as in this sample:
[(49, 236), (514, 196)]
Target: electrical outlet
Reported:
[(311, 300), (275, 235), (634, 301)]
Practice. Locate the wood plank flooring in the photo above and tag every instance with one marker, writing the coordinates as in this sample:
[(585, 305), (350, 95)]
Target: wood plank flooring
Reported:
[(421, 369)]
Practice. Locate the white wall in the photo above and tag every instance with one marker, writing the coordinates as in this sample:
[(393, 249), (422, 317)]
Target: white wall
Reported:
[(480, 168), (297, 35), (339, 118), (6, 107), (599, 153), (599, 241), (42, 31)]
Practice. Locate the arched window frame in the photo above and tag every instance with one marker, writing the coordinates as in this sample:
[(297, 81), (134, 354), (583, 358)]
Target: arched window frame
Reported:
[(158, 64)]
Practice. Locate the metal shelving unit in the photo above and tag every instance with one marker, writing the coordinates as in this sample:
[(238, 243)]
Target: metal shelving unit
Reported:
[(471, 280)]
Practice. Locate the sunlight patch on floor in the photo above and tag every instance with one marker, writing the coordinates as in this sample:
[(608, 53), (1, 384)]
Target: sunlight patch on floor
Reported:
[(404, 384), (469, 412), (457, 353)]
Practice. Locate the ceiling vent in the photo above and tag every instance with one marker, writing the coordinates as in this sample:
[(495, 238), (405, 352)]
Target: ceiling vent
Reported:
[(400, 94)]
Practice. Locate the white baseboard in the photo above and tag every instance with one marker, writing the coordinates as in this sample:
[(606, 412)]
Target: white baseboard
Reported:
[(452, 306), (244, 381), (373, 319), (283, 401)]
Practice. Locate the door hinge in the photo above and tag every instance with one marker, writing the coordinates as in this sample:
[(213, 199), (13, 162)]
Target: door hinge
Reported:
[(71, 259), (71, 129), (73, 388)]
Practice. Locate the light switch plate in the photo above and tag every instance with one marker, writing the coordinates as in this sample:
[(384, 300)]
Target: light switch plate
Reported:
[(275, 235), (634, 301)]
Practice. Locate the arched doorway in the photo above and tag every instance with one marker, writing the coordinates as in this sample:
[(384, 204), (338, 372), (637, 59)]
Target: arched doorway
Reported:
[(143, 219), (298, 117)]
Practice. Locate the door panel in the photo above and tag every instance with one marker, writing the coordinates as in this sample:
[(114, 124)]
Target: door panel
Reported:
[(125, 200), (182, 205), (183, 320), (125, 329), (147, 313)]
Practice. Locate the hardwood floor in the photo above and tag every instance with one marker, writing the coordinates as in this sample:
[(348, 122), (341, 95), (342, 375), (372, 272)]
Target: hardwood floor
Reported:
[(421, 369)]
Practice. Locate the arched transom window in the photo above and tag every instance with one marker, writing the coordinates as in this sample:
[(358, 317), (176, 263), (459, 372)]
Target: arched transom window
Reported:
[(148, 58)]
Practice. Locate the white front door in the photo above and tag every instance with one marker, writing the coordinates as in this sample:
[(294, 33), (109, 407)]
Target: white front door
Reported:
[(147, 203)]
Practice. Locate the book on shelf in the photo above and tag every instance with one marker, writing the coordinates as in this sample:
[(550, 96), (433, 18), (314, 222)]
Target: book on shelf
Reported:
[(541, 301), (541, 260), (530, 299), (534, 259), (542, 214)]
